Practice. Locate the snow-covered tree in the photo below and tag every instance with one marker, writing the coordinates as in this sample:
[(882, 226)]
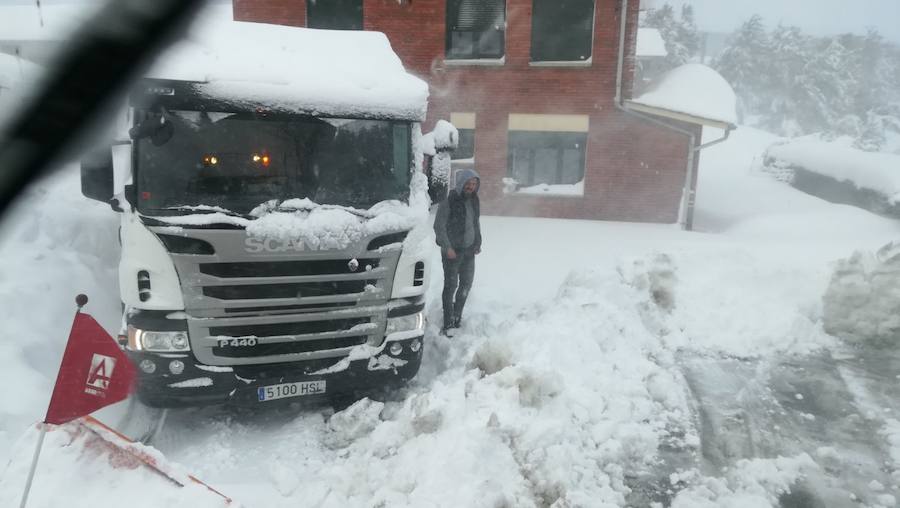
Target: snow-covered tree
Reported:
[(678, 32), (745, 63), (796, 84)]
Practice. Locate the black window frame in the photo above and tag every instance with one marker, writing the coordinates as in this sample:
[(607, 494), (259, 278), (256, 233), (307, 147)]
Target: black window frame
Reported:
[(531, 141), (552, 39), (338, 20), (454, 28)]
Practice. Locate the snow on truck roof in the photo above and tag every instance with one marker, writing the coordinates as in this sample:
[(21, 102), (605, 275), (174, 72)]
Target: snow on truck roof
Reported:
[(321, 72)]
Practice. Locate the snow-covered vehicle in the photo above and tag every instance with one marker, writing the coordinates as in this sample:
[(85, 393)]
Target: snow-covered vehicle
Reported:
[(274, 216)]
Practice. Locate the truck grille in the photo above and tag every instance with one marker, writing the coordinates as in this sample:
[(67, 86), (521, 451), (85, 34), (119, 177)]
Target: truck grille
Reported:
[(279, 329), (266, 291), (309, 310), (285, 268), (284, 348)]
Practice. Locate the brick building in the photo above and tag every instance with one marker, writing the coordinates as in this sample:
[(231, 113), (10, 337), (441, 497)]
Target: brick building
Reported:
[(531, 84)]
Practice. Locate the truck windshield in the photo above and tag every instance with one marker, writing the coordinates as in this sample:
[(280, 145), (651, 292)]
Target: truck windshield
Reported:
[(237, 161)]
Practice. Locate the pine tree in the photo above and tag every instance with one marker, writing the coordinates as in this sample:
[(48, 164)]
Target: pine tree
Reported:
[(790, 49), (680, 34), (745, 64)]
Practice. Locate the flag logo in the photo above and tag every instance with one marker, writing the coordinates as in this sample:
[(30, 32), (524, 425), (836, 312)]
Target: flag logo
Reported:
[(98, 377)]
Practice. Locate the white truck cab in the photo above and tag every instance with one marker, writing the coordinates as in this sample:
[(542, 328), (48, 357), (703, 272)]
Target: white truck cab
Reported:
[(274, 216)]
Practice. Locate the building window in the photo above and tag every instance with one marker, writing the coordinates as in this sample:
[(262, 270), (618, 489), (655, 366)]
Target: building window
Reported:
[(547, 149), (476, 29), (335, 14), (465, 124), (562, 30)]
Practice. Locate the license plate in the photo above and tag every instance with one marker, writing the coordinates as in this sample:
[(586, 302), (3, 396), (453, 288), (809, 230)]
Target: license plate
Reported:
[(285, 390)]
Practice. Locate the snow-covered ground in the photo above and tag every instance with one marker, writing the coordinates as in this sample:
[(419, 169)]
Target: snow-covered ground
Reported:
[(599, 364)]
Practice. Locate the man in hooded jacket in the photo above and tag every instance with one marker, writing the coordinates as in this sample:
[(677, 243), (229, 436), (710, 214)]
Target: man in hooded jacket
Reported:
[(457, 228)]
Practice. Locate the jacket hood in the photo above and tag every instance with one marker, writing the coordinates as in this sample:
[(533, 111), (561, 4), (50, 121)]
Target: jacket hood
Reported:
[(462, 176)]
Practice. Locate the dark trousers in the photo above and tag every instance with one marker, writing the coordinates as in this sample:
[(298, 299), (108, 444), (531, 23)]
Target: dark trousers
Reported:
[(458, 276)]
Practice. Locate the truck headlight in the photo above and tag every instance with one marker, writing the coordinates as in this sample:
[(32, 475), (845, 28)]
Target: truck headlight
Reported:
[(146, 340), (405, 323)]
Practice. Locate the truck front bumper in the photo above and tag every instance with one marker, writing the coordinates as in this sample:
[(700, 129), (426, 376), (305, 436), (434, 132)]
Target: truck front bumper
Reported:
[(189, 383)]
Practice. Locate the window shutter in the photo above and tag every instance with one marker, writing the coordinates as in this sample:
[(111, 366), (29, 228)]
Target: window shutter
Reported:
[(480, 15)]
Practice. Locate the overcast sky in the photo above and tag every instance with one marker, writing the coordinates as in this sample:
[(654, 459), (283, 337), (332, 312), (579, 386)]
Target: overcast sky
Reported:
[(819, 17)]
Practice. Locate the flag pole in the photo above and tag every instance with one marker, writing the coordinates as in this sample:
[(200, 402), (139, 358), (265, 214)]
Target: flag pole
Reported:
[(34, 461), (80, 300)]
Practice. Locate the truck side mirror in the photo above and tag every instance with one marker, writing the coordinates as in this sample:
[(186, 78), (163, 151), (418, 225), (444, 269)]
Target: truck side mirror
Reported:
[(97, 174), (104, 172), (439, 146)]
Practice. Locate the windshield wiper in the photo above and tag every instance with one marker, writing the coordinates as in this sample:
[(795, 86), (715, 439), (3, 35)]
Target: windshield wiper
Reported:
[(207, 209)]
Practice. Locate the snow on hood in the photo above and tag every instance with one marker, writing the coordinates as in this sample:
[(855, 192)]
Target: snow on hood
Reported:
[(321, 227), (696, 90), (340, 73)]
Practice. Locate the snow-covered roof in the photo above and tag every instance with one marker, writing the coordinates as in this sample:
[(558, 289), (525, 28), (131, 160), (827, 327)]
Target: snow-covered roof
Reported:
[(693, 93), (650, 43), (323, 72)]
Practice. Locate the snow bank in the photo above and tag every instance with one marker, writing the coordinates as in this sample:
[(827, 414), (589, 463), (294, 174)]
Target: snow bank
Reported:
[(755, 483), (862, 302), (694, 89), (342, 73), (737, 195), (879, 172), (650, 43), (60, 244)]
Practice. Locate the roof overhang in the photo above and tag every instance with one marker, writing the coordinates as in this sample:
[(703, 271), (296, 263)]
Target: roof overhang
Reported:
[(679, 116)]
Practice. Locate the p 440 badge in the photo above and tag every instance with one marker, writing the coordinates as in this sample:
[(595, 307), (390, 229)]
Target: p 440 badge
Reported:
[(236, 341)]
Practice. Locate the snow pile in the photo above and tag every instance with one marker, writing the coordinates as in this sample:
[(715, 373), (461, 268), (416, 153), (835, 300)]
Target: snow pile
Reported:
[(694, 89), (862, 302), (515, 416), (879, 172), (728, 301), (341, 73), (737, 196), (650, 43), (750, 483), (60, 244), (74, 458)]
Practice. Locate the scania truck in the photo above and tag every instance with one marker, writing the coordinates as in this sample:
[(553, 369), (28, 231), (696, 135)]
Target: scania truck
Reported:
[(274, 234)]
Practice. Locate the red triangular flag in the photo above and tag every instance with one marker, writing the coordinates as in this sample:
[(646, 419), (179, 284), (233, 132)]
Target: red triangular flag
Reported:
[(94, 373)]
